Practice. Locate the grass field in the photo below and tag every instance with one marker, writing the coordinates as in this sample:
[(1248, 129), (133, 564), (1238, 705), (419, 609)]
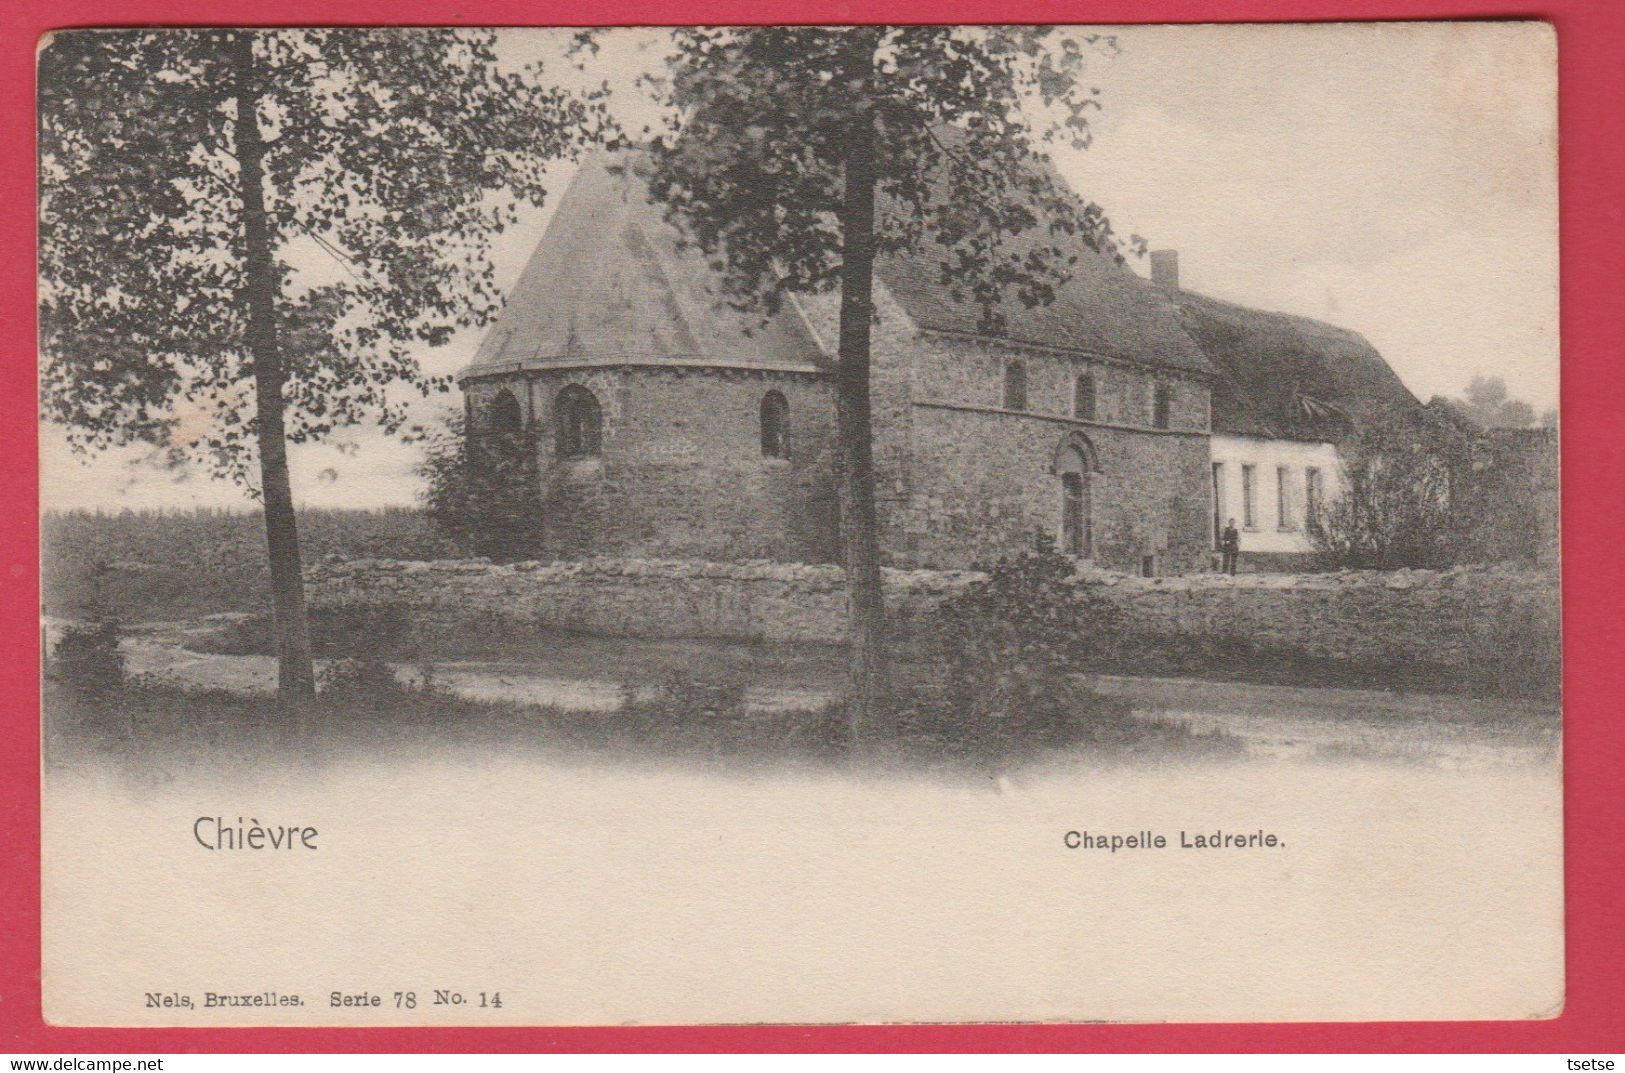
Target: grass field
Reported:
[(144, 566)]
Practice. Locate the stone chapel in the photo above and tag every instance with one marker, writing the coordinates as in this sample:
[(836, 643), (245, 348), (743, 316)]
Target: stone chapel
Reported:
[(1123, 423)]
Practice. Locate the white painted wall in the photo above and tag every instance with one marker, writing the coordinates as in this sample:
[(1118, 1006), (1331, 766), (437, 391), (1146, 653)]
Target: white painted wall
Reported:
[(1268, 457)]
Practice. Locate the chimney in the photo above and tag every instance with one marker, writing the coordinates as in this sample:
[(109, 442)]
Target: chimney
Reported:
[(1165, 268)]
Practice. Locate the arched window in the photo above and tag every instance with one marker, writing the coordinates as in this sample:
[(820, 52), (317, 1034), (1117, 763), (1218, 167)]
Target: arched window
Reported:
[(1083, 398), (579, 422), (1075, 514), (1015, 386), (1074, 465), (503, 418), (775, 426), (504, 425)]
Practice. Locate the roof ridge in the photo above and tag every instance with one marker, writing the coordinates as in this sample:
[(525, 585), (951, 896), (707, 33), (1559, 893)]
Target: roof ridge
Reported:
[(684, 319), (609, 277), (1296, 318)]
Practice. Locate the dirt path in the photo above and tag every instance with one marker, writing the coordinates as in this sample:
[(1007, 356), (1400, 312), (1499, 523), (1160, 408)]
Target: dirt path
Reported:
[(1287, 721), (1281, 721)]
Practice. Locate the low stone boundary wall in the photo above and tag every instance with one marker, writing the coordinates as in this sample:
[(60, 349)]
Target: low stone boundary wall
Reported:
[(1455, 618), (1447, 618), (630, 598)]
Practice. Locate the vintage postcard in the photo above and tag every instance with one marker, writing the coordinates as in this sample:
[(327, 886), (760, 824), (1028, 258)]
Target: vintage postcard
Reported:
[(800, 524)]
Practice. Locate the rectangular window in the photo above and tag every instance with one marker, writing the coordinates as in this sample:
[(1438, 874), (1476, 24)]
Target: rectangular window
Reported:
[(1312, 493), (1283, 497), (1218, 504), (1249, 496), (1162, 406), (1083, 398), (1015, 386)]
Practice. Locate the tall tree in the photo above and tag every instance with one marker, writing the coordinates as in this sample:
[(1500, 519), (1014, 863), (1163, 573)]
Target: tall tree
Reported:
[(797, 157), (186, 175)]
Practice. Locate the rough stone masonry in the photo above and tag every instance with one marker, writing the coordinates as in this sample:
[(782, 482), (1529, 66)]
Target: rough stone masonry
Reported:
[(1445, 618)]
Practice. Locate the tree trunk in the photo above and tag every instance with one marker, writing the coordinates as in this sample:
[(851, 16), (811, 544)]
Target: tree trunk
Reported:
[(296, 679), (866, 627)]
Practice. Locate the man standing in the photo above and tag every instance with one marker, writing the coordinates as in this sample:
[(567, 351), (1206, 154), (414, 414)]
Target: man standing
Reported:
[(1230, 544)]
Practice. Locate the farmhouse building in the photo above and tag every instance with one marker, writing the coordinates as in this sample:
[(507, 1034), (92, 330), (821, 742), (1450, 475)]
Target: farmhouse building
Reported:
[(1285, 390), (1123, 422)]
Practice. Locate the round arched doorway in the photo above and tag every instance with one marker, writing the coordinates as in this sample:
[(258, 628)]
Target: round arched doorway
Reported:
[(1074, 469)]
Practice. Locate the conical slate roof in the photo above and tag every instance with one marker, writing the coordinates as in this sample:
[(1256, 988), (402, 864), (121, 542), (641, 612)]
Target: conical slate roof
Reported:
[(609, 284)]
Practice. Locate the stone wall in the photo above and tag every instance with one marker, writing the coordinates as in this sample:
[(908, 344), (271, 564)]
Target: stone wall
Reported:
[(977, 480), (1448, 618), (988, 487), (1438, 618), (754, 601), (680, 470), (960, 479), (970, 372), (983, 481)]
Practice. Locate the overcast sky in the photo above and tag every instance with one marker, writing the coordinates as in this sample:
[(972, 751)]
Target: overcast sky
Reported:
[(1398, 180)]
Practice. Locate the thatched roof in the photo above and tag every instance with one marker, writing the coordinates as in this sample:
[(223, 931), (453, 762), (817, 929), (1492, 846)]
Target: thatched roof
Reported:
[(1285, 376)]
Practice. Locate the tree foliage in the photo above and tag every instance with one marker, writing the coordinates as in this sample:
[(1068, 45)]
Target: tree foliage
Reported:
[(185, 177), (391, 159), (797, 157), (1394, 505), (481, 492), (998, 672), (1005, 652), (1486, 405), (752, 163)]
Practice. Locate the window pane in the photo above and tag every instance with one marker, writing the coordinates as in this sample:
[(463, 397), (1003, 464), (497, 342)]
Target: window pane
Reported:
[(1015, 386), (1083, 398), (579, 421), (775, 426)]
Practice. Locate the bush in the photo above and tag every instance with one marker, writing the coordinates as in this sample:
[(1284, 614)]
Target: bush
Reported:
[(481, 492), (1394, 507), (709, 716), (998, 674), (359, 680), (88, 657)]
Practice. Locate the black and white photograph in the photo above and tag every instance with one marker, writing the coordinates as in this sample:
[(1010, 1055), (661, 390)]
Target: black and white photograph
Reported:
[(800, 524)]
